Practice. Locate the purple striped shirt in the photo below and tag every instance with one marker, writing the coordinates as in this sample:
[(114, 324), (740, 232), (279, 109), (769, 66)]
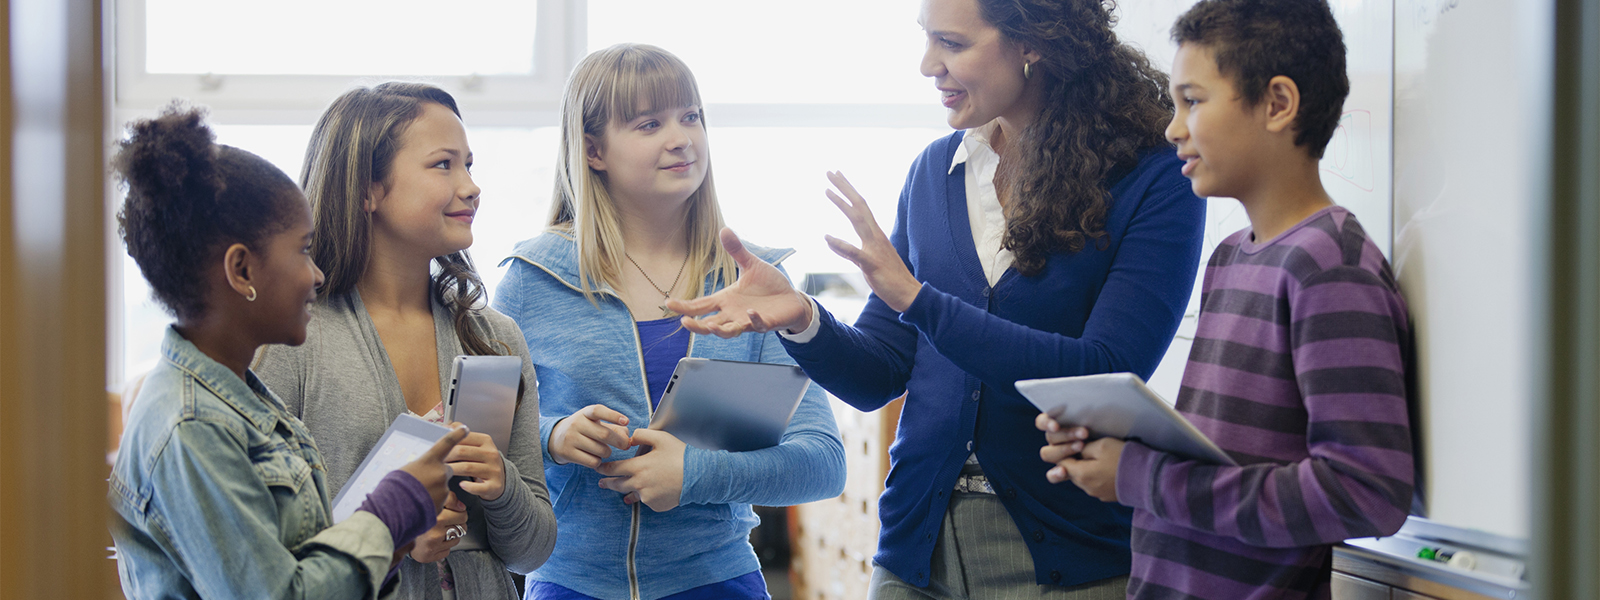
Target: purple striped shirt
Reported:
[(1298, 371)]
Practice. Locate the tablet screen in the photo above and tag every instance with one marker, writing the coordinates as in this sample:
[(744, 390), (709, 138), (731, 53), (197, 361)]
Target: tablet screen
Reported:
[(401, 444)]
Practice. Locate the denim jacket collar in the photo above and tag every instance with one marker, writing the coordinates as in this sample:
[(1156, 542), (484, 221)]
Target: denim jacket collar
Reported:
[(557, 254), (249, 396)]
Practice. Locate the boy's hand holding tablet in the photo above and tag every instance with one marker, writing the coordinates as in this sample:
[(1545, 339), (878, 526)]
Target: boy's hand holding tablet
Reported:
[(1091, 466)]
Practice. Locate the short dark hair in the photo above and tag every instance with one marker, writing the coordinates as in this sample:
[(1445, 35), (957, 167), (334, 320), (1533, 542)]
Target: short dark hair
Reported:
[(1256, 40), (188, 198)]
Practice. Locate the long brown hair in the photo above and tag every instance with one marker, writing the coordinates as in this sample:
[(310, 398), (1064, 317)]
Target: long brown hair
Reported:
[(608, 86), (353, 146), (1103, 105)]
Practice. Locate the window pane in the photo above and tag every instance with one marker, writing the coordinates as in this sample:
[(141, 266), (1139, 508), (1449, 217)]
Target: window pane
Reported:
[(813, 52), (340, 37), (772, 193)]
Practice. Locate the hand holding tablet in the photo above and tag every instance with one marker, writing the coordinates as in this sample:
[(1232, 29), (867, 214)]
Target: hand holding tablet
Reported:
[(410, 444), (1119, 405), (430, 468)]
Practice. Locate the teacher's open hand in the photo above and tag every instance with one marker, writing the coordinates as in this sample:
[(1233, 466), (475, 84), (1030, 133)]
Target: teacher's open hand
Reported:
[(762, 299), (886, 272)]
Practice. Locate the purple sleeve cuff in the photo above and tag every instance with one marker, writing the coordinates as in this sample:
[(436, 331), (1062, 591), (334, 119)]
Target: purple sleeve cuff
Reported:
[(1135, 470), (403, 504)]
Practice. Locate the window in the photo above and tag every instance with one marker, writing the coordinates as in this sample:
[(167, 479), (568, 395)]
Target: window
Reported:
[(287, 59), (790, 94), (813, 52), (206, 36)]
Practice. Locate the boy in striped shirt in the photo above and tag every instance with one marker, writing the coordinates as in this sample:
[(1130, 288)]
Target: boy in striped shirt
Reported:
[(1298, 368)]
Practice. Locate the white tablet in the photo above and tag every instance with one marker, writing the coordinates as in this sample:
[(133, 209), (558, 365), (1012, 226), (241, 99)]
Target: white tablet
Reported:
[(407, 438), (1119, 405), (483, 395), (728, 405)]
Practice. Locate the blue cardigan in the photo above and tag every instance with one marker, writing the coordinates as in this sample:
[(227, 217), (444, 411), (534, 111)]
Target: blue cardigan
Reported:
[(586, 354), (960, 347)]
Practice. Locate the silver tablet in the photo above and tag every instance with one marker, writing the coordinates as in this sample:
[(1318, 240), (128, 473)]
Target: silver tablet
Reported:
[(1119, 405), (483, 395), (405, 440), (727, 405)]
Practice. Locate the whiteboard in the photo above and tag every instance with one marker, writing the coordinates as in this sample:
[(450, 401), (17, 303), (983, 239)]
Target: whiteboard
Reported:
[(1472, 81)]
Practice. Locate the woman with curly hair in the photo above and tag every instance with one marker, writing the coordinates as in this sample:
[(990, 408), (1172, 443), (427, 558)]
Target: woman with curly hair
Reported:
[(1053, 235)]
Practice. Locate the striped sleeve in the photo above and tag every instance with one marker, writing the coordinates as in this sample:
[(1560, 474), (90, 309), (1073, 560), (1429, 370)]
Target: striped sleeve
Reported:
[(1346, 339)]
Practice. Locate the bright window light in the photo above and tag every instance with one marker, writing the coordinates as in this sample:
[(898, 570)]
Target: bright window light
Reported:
[(340, 37), (812, 52)]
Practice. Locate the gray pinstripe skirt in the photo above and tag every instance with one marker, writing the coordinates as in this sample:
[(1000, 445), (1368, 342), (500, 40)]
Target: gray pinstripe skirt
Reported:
[(980, 555)]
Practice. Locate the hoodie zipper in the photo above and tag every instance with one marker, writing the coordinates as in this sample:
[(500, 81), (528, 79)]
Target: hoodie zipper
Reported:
[(638, 346), (633, 525)]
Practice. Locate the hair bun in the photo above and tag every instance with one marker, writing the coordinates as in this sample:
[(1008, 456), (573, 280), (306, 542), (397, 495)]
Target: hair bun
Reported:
[(173, 155)]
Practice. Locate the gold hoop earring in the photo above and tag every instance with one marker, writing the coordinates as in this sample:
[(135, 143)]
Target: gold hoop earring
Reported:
[(1027, 70), (252, 296)]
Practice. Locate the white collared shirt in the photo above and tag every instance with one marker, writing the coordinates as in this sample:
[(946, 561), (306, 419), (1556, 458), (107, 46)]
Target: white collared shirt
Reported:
[(984, 213)]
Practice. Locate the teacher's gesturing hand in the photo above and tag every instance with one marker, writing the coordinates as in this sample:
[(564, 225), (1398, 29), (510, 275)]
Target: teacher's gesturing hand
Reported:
[(877, 258), (762, 299)]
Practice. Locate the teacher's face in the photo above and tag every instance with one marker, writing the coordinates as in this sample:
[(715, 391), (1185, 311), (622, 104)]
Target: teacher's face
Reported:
[(978, 71)]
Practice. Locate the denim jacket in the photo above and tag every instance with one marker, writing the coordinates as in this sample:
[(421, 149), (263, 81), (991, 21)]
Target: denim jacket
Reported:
[(585, 355), (219, 493)]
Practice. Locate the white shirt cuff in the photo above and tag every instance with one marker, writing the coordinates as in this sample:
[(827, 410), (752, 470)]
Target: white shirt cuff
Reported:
[(811, 329)]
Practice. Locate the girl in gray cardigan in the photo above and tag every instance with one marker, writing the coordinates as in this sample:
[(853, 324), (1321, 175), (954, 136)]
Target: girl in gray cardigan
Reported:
[(387, 173)]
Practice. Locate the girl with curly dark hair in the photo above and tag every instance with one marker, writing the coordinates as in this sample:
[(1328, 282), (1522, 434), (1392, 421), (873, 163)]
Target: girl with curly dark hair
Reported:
[(1053, 236), (219, 492)]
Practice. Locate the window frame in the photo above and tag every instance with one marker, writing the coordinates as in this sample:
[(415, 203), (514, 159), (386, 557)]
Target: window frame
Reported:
[(559, 41)]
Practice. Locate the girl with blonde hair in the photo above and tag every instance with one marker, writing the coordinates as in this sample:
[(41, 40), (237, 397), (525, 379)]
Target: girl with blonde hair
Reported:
[(634, 223), (388, 175)]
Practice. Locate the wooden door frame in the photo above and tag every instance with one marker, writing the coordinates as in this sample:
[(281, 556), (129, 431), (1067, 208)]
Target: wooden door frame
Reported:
[(53, 509)]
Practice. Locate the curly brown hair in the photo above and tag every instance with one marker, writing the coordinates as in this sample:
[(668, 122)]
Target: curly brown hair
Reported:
[(189, 198), (1103, 104)]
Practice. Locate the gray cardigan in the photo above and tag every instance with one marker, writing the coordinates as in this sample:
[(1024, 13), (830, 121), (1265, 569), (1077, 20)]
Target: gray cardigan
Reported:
[(341, 384)]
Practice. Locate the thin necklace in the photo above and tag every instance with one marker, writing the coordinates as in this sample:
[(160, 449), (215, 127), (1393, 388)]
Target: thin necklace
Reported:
[(666, 293)]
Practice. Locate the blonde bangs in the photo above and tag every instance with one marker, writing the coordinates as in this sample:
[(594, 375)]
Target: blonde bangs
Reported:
[(645, 82)]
